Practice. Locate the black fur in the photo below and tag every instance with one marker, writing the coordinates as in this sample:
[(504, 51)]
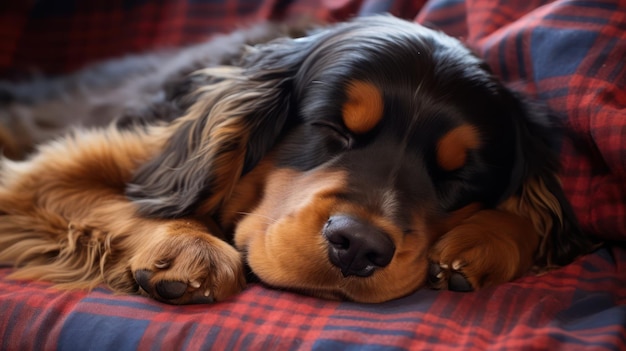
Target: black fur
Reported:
[(299, 84)]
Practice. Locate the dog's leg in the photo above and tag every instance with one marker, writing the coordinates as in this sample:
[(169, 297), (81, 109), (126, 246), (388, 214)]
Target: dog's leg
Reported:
[(64, 218), (182, 263), (175, 261), (488, 248)]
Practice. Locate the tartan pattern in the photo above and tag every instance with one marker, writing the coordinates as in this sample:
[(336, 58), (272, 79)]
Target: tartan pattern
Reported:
[(578, 307), (568, 53)]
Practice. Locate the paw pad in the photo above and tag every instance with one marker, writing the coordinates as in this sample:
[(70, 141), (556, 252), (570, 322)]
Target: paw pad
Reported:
[(441, 275), (185, 266), (169, 291)]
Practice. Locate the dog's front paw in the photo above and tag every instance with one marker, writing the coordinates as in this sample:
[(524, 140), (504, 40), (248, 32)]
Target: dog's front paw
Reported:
[(443, 275), (490, 248), (188, 266)]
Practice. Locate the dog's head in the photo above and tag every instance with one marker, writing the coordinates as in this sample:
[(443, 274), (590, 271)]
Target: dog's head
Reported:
[(340, 157)]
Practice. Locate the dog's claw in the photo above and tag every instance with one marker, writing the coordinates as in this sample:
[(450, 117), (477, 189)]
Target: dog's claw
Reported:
[(162, 264)]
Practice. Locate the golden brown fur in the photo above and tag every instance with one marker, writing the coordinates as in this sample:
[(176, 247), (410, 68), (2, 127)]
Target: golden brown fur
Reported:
[(66, 219), (281, 240)]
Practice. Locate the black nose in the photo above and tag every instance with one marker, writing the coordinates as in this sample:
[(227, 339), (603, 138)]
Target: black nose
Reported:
[(357, 247)]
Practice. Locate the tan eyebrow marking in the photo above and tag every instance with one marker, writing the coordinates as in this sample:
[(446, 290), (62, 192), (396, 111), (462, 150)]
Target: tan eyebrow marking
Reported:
[(452, 148), (364, 108)]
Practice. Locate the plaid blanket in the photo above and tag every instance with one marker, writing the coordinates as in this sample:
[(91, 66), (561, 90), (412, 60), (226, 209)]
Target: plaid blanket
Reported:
[(582, 306), (568, 53)]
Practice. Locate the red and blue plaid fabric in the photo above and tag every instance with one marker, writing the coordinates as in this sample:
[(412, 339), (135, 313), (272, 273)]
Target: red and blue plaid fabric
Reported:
[(579, 307), (572, 55), (569, 53)]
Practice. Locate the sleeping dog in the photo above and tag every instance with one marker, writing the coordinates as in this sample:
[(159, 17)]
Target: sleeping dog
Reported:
[(360, 162)]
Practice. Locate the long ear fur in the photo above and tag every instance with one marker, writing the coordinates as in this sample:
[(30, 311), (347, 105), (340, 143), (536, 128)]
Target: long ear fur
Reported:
[(233, 118), (540, 197)]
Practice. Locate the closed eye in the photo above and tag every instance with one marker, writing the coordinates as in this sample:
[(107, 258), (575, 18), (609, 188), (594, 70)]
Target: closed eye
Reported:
[(336, 132)]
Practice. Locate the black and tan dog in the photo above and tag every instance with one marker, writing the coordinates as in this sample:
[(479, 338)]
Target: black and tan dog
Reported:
[(341, 165)]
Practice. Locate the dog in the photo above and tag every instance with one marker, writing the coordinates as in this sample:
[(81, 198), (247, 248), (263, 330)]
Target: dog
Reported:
[(361, 162)]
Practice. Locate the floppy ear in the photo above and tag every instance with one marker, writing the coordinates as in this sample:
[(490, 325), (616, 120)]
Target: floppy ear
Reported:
[(540, 197), (232, 118)]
